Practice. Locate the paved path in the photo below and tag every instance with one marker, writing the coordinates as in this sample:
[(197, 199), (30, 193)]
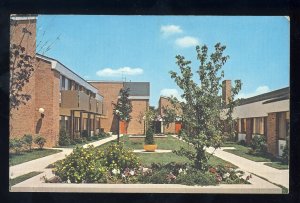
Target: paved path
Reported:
[(41, 163), (273, 175)]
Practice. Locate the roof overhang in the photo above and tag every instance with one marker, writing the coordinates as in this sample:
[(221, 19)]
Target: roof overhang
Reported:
[(63, 70)]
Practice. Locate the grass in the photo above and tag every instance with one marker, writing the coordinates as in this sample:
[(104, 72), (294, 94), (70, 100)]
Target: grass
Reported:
[(242, 151), (163, 143), (277, 165), (15, 159), (22, 178)]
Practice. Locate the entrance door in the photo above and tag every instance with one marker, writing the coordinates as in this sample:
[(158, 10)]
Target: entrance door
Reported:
[(123, 127), (177, 127)]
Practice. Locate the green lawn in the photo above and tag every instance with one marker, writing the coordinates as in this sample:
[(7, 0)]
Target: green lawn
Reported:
[(243, 152), (278, 165), (23, 177), (169, 143), (15, 159)]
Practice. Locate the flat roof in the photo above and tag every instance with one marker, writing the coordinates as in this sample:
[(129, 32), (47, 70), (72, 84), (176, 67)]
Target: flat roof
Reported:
[(283, 93)]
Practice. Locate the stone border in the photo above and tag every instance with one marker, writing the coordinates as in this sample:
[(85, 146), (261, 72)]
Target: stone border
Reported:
[(36, 185)]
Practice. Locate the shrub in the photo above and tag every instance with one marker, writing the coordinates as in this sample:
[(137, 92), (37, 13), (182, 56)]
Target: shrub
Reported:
[(27, 140), (72, 142), (258, 145), (158, 176), (16, 145), (40, 140), (84, 133), (64, 139), (103, 134), (242, 142), (228, 175), (89, 138), (119, 158), (285, 155), (78, 140), (95, 137), (196, 177), (83, 165), (149, 139)]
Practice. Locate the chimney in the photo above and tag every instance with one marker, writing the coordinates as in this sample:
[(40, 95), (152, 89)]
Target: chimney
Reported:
[(226, 91), (23, 31)]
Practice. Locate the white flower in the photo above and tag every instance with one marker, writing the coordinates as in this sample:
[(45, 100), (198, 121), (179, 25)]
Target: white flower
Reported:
[(184, 172), (123, 176), (180, 170), (226, 175), (68, 181), (115, 171), (132, 173)]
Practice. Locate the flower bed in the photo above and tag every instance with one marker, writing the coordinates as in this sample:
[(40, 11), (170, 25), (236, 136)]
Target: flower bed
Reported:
[(117, 164)]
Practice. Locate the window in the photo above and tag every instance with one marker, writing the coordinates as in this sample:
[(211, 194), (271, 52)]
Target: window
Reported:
[(70, 84), (281, 125), (258, 125), (243, 125), (76, 86)]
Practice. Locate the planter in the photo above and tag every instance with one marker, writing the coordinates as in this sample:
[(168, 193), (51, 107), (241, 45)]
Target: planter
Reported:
[(150, 147)]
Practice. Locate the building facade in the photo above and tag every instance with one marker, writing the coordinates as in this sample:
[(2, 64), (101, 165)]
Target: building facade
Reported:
[(266, 115), (139, 94), (173, 127)]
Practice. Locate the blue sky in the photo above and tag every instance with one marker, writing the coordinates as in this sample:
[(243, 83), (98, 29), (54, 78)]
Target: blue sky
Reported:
[(143, 48)]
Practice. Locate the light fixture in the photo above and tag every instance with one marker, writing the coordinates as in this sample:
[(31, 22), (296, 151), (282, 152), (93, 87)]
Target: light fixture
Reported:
[(41, 111)]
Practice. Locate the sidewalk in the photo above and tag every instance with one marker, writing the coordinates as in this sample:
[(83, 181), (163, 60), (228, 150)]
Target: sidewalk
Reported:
[(41, 163), (274, 175), (277, 176)]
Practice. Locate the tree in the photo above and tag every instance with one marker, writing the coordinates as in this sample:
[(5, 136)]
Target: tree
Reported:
[(202, 104), (123, 108)]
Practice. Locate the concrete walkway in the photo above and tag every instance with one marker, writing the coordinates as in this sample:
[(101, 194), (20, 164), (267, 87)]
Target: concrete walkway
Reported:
[(41, 163), (277, 176), (274, 175)]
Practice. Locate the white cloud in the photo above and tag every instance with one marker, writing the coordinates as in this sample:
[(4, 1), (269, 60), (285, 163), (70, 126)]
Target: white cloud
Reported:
[(109, 72), (186, 41), (171, 92), (260, 90), (168, 30)]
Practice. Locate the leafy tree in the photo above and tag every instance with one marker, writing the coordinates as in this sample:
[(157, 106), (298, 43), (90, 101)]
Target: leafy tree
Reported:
[(40, 140), (123, 108), (64, 138), (203, 106), (149, 139)]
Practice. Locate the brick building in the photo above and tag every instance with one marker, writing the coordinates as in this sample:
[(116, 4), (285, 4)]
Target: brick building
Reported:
[(139, 93), (68, 101), (264, 115), (174, 127)]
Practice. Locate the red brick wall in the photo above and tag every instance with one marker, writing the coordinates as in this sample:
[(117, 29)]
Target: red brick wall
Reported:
[(249, 126), (22, 120), (226, 91), (110, 92), (47, 97), (136, 125), (272, 134)]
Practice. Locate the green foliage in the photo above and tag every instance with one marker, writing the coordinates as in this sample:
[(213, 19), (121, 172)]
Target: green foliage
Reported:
[(64, 138), (84, 133), (83, 165), (242, 142), (40, 141), (95, 137), (169, 116), (258, 145), (123, 107), (16, 145), (285, 155), (149, 139), (196, 177), (228, 175), (119, 158), (27, 140), (95, 165), (203, 105)]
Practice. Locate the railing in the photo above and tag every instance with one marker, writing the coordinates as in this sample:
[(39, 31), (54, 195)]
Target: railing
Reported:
[(78, 100)]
